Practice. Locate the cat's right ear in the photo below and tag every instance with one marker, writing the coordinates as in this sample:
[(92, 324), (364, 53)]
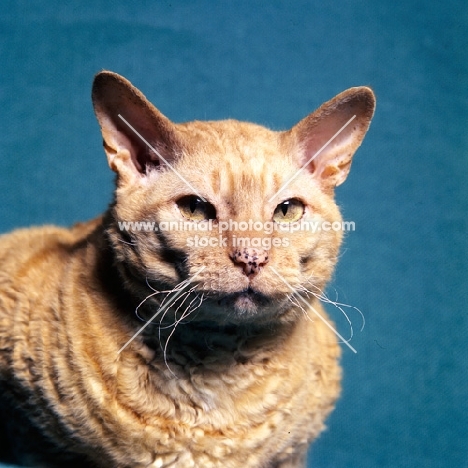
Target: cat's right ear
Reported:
[(137, 137), (326, 140)]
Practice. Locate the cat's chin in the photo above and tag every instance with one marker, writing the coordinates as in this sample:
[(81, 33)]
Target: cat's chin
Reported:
[(244, 302), (248, 305)]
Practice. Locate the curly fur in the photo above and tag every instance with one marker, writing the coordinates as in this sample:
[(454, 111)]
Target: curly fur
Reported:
[(224, 378)]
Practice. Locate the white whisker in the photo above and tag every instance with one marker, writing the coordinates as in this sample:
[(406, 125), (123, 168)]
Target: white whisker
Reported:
[(184, 297), (179, 286), (141, 303), (339, 305), (185, 314), (324, 320), (162, 308), (151, 287), (294, 301), (133, 243)]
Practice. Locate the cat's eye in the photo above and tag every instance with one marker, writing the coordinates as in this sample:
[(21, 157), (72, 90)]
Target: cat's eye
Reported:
[(289, 211), (195, 209)]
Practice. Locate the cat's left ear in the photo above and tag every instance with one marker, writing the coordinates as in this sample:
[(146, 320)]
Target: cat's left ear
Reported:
[(137, 137), (326, 140)]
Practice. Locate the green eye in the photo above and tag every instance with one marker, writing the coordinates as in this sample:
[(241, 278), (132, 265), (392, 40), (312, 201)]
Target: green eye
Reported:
[(195, 209), (289, 211)]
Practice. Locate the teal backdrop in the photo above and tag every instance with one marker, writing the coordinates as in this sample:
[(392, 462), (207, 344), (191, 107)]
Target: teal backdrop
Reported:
[(405, 393)]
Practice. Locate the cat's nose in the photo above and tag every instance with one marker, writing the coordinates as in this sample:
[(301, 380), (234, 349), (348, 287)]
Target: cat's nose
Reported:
[(250, 259)]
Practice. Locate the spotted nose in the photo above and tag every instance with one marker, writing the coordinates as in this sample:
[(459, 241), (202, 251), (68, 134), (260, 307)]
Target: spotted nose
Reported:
[(250, 259)]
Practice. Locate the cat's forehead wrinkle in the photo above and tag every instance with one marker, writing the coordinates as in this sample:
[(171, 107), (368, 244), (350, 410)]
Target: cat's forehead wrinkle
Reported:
[(229, 137), (242, 164), (237, 189)]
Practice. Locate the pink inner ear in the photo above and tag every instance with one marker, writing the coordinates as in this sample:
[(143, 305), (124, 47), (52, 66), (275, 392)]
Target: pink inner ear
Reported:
[(131, 123), (330, 136), (143, 157), (147, 149), (325, 145)]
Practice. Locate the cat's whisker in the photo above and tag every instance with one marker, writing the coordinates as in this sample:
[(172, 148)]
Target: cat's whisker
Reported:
[(174, 298), (161, 309), (152, 295), (176, 322), (324, 298), (321, 296), (168, 293), (161, 327), (184, 315), (296, 303), (155, 292), (141, 303), (184, 296), (133, 243), (346, 342), (320, 316), (189, 310), (352, 307), (202, 298), (304, 290), (151, 287)]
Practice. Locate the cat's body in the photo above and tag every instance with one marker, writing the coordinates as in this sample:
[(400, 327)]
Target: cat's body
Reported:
[(238, 372)]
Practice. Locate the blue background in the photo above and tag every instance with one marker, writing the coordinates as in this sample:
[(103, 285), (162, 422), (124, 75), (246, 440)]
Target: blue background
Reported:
[(405, 396)]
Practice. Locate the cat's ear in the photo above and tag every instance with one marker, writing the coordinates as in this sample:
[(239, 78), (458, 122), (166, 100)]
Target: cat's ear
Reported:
[(137, 137), (326, 140)]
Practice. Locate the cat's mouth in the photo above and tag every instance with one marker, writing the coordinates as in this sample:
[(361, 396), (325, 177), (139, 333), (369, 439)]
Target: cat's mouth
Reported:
[(246, 303)]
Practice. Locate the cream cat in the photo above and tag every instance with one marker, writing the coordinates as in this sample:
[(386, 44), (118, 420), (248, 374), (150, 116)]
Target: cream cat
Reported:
[(234, 368)]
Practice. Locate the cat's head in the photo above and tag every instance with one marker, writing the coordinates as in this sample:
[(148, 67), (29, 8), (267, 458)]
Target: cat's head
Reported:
[(243, 216)]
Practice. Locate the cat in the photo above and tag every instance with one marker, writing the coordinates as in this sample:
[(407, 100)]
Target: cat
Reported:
[(123, 344)]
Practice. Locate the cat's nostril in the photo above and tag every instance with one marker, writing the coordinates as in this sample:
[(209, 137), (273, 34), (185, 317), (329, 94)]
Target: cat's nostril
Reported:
[(250, 259)]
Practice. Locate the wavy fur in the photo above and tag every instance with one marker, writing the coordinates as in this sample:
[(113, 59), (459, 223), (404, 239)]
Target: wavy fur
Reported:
[(237, 372)]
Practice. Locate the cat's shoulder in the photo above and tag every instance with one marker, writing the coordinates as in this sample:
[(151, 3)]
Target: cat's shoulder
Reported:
[(23, 243)]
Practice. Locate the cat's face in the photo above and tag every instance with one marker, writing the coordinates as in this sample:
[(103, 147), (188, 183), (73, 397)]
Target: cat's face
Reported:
[(239, 212)]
